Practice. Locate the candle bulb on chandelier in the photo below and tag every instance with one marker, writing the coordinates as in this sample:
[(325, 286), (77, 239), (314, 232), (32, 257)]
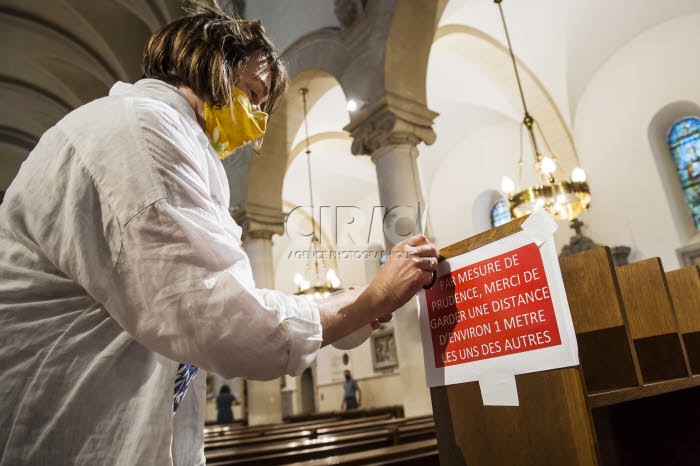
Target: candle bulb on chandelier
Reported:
[(507, 185), (578, 175), (548, 166)]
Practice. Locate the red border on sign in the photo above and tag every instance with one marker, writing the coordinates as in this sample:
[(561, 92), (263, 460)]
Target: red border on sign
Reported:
[(496, 307)]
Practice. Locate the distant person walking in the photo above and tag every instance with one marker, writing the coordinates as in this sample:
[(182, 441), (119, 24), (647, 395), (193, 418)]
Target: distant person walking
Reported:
[(352, 393), (223, 405)]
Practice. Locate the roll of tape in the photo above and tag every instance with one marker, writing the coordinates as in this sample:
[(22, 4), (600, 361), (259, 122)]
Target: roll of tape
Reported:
[(355, 339)]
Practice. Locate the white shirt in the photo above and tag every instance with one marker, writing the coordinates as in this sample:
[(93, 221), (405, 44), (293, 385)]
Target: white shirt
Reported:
[(119, 260)]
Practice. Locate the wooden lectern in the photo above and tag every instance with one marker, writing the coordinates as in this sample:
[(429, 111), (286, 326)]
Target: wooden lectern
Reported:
[(632, 400)]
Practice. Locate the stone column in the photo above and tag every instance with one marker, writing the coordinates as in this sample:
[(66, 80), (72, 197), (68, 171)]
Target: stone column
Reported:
[(263, 402), (389, 132)]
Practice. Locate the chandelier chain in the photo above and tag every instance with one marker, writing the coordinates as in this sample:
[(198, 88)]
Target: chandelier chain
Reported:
[(303, 91), (316, 286), (529, 119), (512, 57)]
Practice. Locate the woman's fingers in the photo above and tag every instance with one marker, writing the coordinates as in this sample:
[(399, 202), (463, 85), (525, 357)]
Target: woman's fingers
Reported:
[(427, 264), (409, 267)]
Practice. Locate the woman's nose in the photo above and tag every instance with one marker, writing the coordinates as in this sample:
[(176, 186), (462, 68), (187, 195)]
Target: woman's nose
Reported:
[(255, 102)]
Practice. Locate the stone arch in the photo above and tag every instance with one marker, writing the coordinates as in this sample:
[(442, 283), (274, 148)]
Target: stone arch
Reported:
[(408, 46), (108, 24), (39, 30), (658, 132), (61, 55), (320, 50), (315, 138)]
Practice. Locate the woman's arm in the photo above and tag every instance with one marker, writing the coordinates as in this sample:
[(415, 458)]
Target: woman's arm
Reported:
[(409, 266)]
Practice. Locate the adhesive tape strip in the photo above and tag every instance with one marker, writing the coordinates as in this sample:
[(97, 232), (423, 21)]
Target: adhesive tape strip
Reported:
[(540, 226), (498, 389)]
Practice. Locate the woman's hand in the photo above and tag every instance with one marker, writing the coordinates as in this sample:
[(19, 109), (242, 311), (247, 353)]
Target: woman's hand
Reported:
[(409, 266)]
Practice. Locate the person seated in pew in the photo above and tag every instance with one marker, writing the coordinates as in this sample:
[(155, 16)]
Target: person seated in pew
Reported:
[(224, 413), (122, 272)]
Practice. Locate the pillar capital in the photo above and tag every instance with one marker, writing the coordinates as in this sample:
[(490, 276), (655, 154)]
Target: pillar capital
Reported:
[(259, 222), (391, 120)]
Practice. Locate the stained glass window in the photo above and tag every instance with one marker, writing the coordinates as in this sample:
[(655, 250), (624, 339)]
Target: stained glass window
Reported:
[(500, 213), (684, 142)]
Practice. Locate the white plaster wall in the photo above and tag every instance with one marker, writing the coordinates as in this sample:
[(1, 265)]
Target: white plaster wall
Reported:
[(473, 165), (615, 24), (537, 31), (629, 204)]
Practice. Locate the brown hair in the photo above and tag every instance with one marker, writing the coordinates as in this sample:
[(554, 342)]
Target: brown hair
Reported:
[(204, 51)]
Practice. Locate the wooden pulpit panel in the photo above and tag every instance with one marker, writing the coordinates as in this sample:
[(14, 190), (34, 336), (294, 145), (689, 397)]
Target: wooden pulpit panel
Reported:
[(684, 286), (482, 239), (552, 425), (606, 350), (652, 321)]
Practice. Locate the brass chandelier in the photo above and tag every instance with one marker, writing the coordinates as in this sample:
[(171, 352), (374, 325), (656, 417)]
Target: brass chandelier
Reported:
[(318, 280), (564, 199)]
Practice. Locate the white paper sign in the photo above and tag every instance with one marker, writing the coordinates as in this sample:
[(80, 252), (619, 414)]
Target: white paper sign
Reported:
[(500, 309)]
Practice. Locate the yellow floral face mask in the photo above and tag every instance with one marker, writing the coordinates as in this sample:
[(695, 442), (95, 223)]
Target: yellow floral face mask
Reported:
[(234, 125)]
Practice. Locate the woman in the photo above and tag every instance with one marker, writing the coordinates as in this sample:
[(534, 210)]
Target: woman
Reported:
[(224, 413), (121, 271)]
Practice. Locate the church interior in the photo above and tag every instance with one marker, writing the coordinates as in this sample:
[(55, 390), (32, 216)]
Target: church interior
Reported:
[(399, 102)]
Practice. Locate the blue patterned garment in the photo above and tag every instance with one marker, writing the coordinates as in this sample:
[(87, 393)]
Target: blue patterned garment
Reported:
[(185, 375)]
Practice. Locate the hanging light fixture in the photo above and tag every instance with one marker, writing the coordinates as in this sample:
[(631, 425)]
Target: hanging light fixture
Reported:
[(564, 199), (318, 280)]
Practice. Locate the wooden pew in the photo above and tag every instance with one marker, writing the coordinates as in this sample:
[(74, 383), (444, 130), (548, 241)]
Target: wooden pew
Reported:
[(684, 286), (309, 426), (282, 452), (619, 407), (307, 433), (652, 321), (308, 419), (394, 411), (285, 432), (323, 447), (334, 430), (211, 432), (605, 345), (422, 453)]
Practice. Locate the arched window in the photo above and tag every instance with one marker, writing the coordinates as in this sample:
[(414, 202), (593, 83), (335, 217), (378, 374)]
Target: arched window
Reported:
[(500, 213), (684, 142)]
